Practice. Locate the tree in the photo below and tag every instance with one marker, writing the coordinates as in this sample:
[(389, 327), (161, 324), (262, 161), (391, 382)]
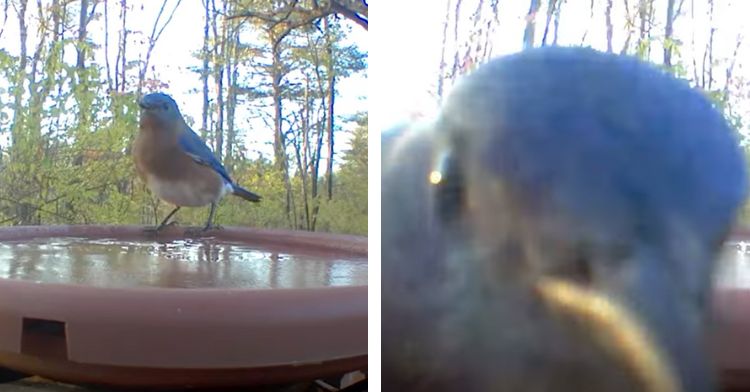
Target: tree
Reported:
[(354, 10), (352, 185), (528, 33)]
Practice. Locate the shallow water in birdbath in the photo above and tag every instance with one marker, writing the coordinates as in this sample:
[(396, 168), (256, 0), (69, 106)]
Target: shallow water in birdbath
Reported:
[(183, 263)]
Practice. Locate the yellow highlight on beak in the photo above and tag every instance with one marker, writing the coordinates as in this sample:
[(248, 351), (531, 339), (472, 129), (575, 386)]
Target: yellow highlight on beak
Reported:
[(435, 177), (615, 328)]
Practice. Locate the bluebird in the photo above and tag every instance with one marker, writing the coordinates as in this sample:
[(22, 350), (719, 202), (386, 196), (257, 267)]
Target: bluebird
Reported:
[(556, 228), (176, 164)]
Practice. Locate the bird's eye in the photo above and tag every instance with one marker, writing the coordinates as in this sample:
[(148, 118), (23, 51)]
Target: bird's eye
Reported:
[(448, 186), (165, 106)]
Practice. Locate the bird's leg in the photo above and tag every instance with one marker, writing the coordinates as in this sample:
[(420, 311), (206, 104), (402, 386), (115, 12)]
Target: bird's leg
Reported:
[(210, 218), (207, 226), (164, 223)]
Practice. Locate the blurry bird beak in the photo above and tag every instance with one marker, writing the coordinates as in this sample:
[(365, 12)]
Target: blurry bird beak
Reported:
[(143, 104), (615, 328)]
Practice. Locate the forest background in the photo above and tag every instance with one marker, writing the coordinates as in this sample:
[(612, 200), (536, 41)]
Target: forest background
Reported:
[(276, 88)]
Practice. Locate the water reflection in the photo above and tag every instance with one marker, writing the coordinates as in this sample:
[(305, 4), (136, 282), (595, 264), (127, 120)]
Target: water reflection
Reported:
[(180, 263)]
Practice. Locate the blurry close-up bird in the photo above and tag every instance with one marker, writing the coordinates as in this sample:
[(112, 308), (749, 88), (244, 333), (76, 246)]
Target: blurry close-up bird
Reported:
[(555, 228), (176, 165)]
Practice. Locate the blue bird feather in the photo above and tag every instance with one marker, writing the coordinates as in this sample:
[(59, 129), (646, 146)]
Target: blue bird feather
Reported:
[(193, 145)]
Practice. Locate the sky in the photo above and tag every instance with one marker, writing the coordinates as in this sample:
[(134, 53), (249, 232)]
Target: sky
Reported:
[(173, 57), (403, 80)]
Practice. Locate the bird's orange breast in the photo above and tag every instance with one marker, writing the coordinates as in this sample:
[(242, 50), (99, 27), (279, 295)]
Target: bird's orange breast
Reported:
[(170, 173)]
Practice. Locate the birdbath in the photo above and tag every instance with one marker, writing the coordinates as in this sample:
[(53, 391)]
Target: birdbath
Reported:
[(111, 306), (732, 313)]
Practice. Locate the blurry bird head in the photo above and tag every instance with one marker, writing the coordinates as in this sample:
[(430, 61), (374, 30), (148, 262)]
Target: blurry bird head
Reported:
[(558, 228), (159, 108), (590, 164)]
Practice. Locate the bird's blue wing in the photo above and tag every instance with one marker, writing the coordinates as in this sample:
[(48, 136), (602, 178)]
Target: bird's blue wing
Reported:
[(193, 145)]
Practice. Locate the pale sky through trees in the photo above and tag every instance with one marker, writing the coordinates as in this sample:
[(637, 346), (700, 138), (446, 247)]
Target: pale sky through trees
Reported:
[(414, 34)]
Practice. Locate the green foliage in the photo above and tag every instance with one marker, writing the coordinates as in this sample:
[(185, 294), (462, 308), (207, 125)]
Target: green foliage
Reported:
[(642, 49), (348, 212)]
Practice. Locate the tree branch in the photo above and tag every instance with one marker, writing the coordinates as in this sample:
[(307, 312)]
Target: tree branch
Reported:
[(355, 13), (350, 14)]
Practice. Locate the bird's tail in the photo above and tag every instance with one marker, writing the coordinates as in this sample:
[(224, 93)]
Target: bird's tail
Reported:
[(245, 194)]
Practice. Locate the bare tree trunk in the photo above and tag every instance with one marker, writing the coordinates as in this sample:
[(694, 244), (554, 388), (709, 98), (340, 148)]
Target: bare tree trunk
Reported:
[(231, 103), (204, 72), (320, 127), (315, 173), (668, 34), (643, 16), (39, 90), (303, 186), (645, 12), (120, 64), (730, 69), (219, 50), (330, 116), (551, 5), (476, 39), (84, 101), (487, 49), (279, 141), (110, 87), (232, 56), (23, 211), (710, 48), (17, 123), (441, 72), (557, 21), (528, 33), (692, 43), (588, 24), (495, 21), (6, 3), (38, 51), (630, 23), (329, 167), (608, 21), (457, 14), (60, 26), (32, 123), (82, 24), (303, 161)]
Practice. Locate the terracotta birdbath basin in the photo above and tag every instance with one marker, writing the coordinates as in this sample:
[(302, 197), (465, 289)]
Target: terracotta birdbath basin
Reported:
[(732, 313), (111, 306)]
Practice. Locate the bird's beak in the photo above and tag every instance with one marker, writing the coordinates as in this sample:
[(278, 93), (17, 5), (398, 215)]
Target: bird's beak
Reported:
[(143, 104), (629, 341)]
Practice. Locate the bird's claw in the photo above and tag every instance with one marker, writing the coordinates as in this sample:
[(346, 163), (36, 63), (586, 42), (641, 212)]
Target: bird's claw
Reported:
[(198, 231), (156, 230)]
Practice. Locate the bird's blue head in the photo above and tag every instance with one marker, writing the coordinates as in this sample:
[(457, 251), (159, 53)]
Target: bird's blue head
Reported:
[(598, 169), (159, 107)]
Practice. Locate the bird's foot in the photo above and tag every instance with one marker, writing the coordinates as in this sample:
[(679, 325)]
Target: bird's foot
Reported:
[(200, 231), (156, 230)]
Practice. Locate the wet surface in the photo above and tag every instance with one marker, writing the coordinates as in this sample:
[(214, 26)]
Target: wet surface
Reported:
[(184, 263), (734, 266)]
